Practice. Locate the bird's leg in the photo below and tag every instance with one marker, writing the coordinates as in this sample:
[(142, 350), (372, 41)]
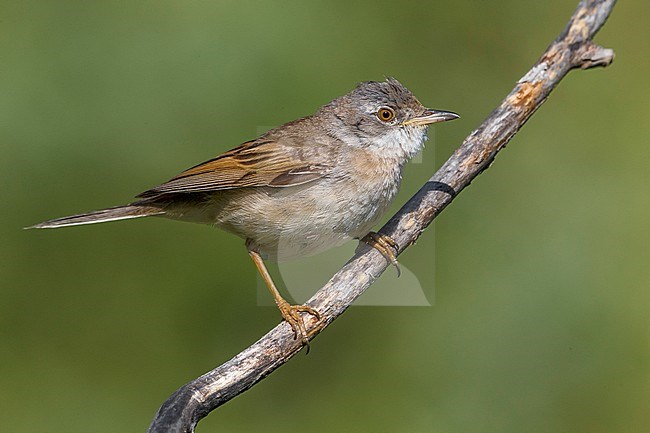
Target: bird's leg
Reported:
[(385, 245), (290, 313)]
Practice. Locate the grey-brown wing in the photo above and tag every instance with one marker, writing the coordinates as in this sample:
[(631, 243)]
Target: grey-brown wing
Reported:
[(254, 163)]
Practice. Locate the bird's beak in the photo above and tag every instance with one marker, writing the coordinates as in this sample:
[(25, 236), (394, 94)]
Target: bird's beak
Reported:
[(431, 116)]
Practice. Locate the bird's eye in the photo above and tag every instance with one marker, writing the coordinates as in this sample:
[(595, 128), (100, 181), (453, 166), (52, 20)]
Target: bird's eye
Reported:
[(386, 114)]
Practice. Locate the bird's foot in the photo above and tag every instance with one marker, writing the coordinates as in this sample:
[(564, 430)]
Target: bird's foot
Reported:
[(292, 314), (385, 245)]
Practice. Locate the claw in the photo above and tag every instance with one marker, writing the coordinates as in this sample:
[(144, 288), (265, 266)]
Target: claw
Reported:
[(386, 246), (291, 314)]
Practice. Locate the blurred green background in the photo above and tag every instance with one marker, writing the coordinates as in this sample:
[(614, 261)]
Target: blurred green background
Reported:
[(541, 273)]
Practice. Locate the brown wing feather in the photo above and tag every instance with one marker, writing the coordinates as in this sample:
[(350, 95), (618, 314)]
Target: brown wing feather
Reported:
[(254, 163)]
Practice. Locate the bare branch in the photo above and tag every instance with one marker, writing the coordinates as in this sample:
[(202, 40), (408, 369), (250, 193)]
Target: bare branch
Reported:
[(572, 49)]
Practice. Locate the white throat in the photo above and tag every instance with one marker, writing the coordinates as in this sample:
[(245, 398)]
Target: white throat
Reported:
[(401, 143)]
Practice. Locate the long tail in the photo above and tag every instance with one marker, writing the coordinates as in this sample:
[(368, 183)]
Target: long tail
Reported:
[(99, 216)]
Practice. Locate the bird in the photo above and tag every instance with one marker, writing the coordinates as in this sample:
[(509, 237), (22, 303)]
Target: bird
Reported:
[(301, 188)]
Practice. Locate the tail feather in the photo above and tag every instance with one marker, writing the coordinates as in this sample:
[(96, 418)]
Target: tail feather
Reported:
[(100, 216)]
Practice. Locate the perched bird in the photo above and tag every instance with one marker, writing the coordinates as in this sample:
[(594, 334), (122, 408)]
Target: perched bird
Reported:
[(301, 188)]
